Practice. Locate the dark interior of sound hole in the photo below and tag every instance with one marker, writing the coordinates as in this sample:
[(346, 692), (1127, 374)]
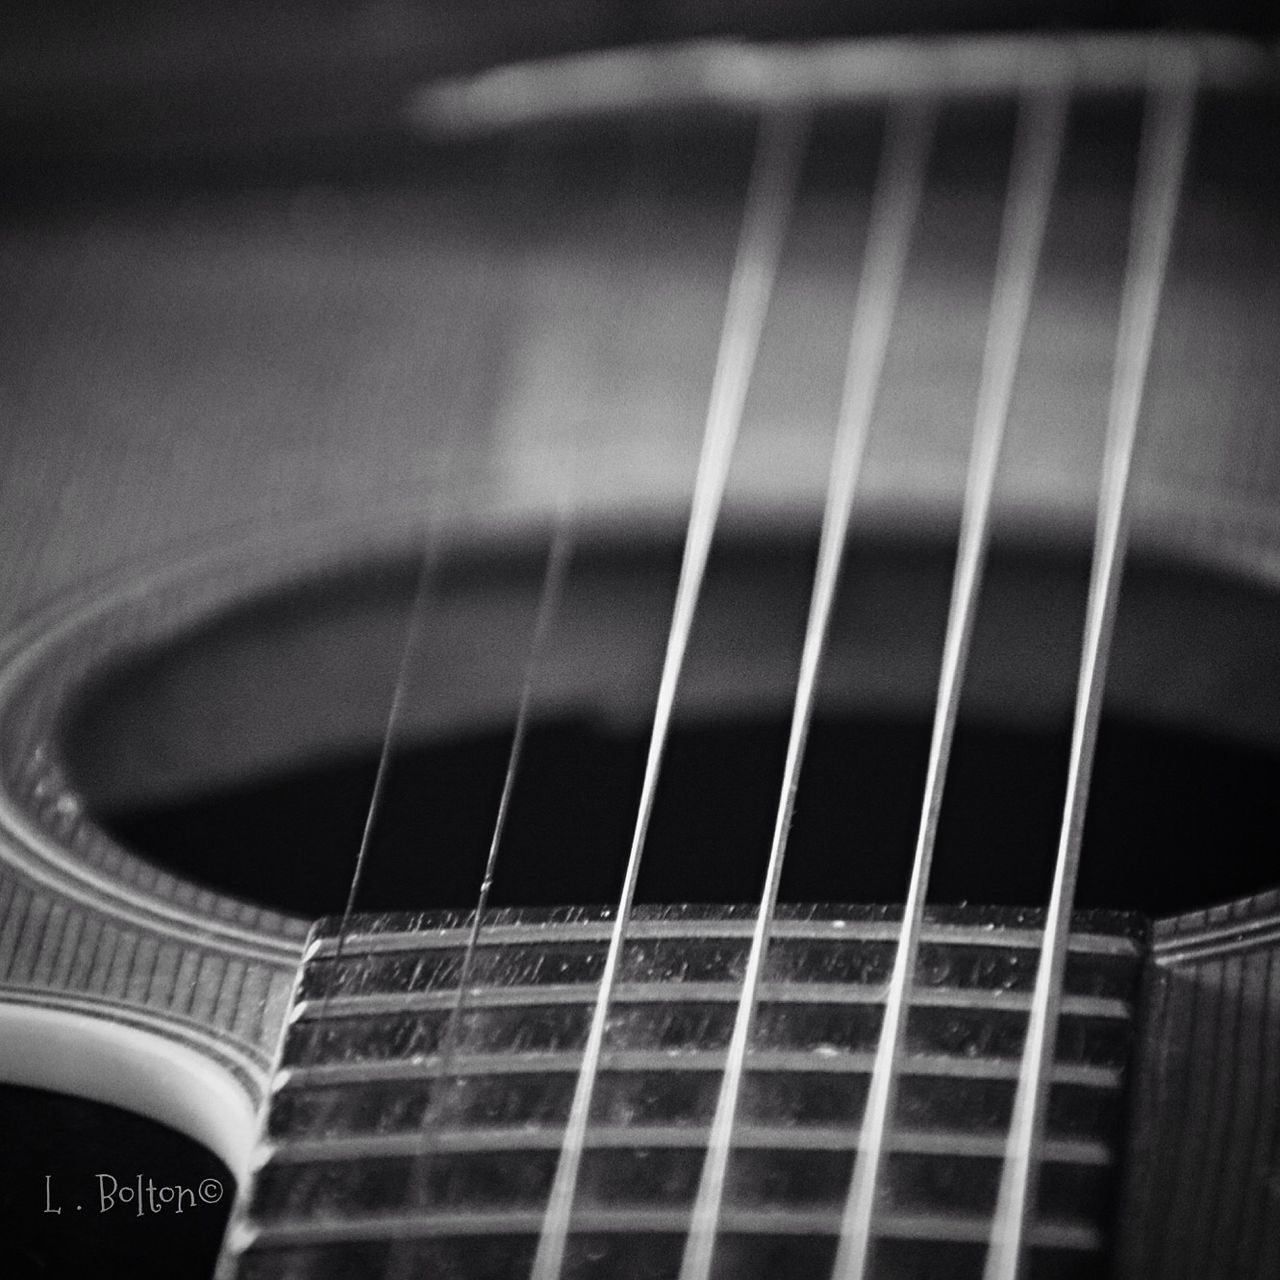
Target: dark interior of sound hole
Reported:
[(1181, 816)]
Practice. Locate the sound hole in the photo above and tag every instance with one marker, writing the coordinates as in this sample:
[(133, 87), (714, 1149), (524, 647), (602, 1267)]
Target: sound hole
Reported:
[(242, 754)]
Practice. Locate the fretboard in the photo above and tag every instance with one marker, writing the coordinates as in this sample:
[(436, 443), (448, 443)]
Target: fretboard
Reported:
[(407, 1135)]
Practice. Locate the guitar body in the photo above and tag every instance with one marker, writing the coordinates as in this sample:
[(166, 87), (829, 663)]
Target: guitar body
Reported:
[(243, 408)]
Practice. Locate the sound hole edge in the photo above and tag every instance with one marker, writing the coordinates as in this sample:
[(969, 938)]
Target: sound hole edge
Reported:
[(240, 754)]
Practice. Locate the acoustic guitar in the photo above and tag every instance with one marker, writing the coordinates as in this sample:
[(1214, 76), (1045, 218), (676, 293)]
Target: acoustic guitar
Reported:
[(654, 661)]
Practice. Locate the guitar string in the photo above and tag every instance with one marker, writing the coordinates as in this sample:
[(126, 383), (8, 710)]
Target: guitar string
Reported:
[(895, 202), (427, 564), (770, 192), (447, 466), (400, 1264), (426, 570), (1167, 123), (1033, 168), (559, 555)]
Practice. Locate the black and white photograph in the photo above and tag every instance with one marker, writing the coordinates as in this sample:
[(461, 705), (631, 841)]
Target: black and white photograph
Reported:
[(639, 641)]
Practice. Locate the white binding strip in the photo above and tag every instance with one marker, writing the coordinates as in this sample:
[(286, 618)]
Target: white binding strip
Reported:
[(769, 198), (172, 1071), (1038, 145), (896, 199), (1162, 157)]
